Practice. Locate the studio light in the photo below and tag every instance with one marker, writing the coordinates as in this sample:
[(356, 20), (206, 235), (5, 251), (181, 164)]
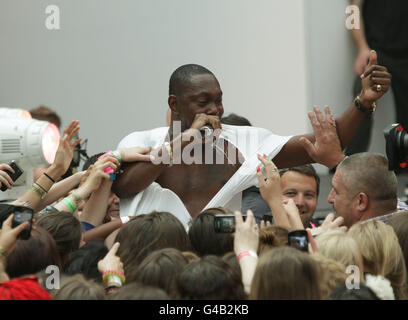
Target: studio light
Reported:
[(31, 143), (14, 113)]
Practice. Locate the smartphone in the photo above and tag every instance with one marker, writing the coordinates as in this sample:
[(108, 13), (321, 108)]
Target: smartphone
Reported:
[(298, 239), (14, 176), (22, 214), (225, 223)]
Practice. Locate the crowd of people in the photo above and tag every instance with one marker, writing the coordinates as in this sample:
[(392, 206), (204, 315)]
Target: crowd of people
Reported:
[(140, 222)]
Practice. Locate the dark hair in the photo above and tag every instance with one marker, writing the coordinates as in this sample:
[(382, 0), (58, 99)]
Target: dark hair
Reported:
[(138, 291), (85, 260), (46, 114), (231, 259), (159, 269), (307, 170), (147, 233), (182, 76), (66, 231), (209, 278), (33, 255), (203, 237), (286, 273), (76, 287), (272, 236), (235, 120), (363, 293), (91, 160)]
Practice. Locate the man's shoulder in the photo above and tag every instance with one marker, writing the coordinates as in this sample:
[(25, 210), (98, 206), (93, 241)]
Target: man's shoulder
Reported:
[(143, 138)]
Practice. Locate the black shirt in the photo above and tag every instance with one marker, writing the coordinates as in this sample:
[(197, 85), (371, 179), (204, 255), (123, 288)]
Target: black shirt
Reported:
[(386, 26)]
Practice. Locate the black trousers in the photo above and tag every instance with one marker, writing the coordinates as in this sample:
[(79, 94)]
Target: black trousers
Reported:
[(398, 67)]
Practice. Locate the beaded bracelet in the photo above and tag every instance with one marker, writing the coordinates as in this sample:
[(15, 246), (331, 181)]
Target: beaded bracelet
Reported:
[(113, 280), (118, 274)]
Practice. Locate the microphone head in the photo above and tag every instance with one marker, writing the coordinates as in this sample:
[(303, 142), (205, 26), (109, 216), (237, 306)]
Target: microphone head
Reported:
[(206, 130)]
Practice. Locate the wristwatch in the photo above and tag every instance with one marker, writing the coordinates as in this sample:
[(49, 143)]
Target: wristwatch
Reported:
[(367, 111)]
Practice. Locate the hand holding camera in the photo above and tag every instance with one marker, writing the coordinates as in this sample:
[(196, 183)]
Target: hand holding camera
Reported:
[(12, 229), (9, 173)]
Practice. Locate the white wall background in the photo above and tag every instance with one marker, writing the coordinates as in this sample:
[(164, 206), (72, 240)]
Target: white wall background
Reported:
[(109, 64)]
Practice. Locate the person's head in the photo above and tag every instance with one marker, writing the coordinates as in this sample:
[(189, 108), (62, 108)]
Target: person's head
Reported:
[(66, 231), (159, 269), (301, 184), (363, 188), (147, 233), (113, 208), (138, 291), (235, 120), (332, 274), (23, 289), (194, 89), (272, 236), (44, 113), (85, 260), (362, 293), (382, 254), (76, 287), (285, 273), (209, 278), (231, 259), (400, 225), (33, 255), (203, 237), (342, 248)]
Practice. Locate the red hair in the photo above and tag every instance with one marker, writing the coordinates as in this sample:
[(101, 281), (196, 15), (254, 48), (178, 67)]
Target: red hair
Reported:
[(23, 289)]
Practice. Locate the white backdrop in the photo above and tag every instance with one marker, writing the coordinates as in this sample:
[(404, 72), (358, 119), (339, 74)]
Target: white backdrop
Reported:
[(109, 64)]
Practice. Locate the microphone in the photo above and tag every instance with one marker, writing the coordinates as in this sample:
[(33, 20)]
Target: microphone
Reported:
[(206, 130)]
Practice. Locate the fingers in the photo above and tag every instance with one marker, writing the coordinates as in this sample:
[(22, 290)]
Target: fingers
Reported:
[(270, 167), (329, 218), (147, 158), (114, 249), (372, 69), (250, 220), (308, 146), (238, 219), (5, 180), (17, 230), (372, 59), (311, 241), (8, 222), (5, 166), (338, 222)]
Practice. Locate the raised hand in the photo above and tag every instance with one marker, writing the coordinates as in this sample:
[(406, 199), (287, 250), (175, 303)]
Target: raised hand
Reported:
[(8, 235), (329, 223), (111, 261), (376, 81), (65, 151), (326, 149), (270, 187)]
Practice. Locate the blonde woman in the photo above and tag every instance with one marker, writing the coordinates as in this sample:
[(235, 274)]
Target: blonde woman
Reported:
[(382, 254), (342, 248)]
